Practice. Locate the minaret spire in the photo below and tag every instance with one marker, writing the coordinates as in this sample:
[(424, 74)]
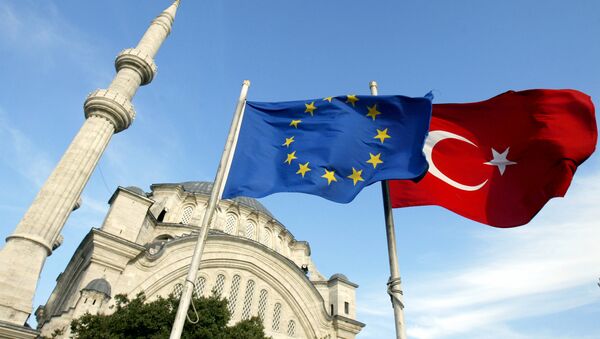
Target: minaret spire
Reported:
[(159, 30), (107, 111)]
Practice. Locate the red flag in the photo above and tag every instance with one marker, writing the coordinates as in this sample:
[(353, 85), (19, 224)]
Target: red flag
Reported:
[(499, 161)]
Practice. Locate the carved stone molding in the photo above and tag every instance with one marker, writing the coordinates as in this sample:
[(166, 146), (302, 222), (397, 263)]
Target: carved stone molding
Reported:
[(111, 105)]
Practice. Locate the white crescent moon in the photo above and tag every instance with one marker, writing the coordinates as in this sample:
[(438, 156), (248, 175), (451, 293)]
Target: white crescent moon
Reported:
[(432, 139)]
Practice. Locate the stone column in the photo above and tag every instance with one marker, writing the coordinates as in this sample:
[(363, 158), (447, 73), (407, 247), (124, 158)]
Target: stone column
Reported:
[(107, 111)]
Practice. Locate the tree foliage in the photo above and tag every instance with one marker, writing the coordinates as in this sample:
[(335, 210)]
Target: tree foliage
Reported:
[(137, 318)]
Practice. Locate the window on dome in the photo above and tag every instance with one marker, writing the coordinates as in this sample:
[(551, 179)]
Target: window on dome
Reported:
[(248, 299), (276, 317), (199, 286), (186, 215), (233, 294), (230, 223), (266, 238), (250, 230), (262, 304), (177, 290), (291, 330), (219, 285)]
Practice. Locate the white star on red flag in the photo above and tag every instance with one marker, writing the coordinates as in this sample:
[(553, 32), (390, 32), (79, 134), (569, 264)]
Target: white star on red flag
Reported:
[(499, 160)]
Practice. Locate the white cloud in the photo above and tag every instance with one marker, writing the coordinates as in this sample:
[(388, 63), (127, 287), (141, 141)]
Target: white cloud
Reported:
[(38, 28), (26, 158), (21, 154), (97, 207), (375, 309), (546, 267)]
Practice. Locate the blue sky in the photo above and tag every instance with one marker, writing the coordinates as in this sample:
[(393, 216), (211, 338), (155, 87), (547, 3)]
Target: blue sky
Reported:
[(460, 279)]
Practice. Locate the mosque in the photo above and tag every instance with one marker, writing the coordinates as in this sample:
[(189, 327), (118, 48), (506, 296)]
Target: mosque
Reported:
[(146, 240), (145, 244)]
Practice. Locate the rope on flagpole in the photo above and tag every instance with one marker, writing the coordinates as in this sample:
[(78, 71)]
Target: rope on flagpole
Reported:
[(193, 306), (394, 288)]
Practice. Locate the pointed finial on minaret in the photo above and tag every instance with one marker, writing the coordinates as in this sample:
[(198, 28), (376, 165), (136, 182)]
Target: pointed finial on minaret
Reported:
[(135, 67), (141, 58), (158, 30)]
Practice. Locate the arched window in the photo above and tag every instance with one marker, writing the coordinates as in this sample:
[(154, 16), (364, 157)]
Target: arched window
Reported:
[(250, 230), (276, 317), (230, 223), (177, 290), (219, 285), (266, 237), (161, 215), (262, 304), (199, 286), (233, 294), (248, 299), (291, 330), (186, 215), (279, 244)]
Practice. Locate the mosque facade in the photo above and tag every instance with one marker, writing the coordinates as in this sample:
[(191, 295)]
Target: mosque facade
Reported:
[(145, 245)]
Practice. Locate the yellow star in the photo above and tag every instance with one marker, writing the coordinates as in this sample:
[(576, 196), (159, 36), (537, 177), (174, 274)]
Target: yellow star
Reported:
[(373, 112), (330, 176), (288, 141), (328, 99), (295, 123), (375, 160), (290, 157), (351, 98), (310, 108), (382, 135), (356, 176), (303, 169)]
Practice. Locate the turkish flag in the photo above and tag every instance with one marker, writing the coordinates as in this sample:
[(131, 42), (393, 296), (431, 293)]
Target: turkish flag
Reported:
[(499, 161)]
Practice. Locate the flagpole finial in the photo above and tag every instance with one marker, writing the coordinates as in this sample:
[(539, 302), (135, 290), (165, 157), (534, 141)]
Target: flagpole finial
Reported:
[(373, 87), (246, 83)]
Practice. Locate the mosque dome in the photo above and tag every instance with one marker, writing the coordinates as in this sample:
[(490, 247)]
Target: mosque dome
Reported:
[(204, 188), (98, 285)]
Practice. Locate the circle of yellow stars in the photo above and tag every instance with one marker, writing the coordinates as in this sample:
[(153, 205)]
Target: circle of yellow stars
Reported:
[(356, 176)]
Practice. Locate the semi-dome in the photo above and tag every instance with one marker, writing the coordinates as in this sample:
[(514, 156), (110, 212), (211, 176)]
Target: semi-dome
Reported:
[(338, 276), (203, 187), (98, 285)]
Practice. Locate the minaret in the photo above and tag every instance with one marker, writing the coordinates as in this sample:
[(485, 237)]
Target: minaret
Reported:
[(107, 111)]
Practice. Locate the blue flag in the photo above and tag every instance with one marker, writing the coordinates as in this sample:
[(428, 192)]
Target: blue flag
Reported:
[(331, 147)]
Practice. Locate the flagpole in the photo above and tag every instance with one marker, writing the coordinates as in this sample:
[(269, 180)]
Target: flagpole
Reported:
[(213, 200), (394, 283)]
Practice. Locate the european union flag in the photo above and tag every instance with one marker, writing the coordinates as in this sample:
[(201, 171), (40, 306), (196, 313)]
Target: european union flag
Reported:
[(331, 147)]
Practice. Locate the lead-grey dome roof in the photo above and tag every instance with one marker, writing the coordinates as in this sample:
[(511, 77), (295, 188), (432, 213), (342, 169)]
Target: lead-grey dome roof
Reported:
[(203, 187), (136, 189), (98, 285), (338, 276)]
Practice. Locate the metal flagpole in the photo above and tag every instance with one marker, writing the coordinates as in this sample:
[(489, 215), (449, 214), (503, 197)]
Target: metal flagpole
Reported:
[(215, 196), (394, 284)]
